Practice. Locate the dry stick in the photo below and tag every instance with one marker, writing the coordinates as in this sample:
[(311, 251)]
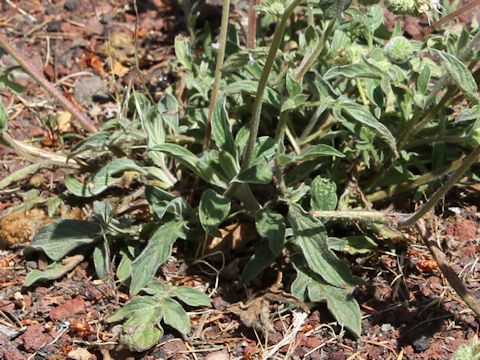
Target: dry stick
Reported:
[(452, 15), (33, 153), (252, 24), (447, 270), (218, 71), (30, 69)]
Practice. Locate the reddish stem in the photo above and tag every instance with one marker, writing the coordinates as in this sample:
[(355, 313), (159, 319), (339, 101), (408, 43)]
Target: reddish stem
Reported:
[(38, 76)]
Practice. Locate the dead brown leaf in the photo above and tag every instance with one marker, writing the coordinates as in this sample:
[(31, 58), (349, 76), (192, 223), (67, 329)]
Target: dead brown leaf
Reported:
[(233, 237), (64, 121)]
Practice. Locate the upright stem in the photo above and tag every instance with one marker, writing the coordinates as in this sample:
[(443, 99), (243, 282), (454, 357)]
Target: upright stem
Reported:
[(31, 70), (309, 60), (257, 105), (252, 24), (279, 138), (218, 71)]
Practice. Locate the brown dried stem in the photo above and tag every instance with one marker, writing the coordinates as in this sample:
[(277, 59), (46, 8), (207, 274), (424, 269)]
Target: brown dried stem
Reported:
[(447, 270), (37, 75)]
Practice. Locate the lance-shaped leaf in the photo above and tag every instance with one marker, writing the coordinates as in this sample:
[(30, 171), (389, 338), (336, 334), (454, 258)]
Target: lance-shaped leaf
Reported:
[(340, 301), (271, 226), (175, 316), (189, 160), (311, 237), (61, 237), (319, 150), (221, 132), (213, 209), (190, 296), (459, 72), (262, 258), (107, 176), (362, 115), (259, 173), (53, 271), (157, 251)]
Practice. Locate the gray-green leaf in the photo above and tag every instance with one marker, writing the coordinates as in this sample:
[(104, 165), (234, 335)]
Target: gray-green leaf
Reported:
[(156, 252), (315, 151), (459, 72), (61, 237), (362, 114), (107, 176), (213, 209), (175, 316), (190, 296), (323, 194), (221, 132), (271, 226), (311, 237), (142, 329)]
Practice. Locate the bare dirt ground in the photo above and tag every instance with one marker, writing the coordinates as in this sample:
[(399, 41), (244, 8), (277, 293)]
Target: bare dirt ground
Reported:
[(410, 312)]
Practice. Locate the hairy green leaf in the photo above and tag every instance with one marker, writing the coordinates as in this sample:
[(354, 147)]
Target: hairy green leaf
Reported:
[(192, 162), (190, 296), (318, 150), (182, 51), (259, 173), (53, 271), (61, 237), (142, 328), (157, 251), (340, 301), (213, 209), (324, 194), (107, 176), (310, 235), (362, 115), (221, 132), (271, 226), (459, 72), (175, 316), (262, 258)]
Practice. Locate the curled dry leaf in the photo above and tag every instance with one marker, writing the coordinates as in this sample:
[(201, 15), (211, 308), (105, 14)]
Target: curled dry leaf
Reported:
[(233, 237)]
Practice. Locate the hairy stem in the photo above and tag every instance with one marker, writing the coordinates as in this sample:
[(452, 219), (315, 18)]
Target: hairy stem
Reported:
[(309, 60), (218, 71), (37, 75), (377, 217), (257, 105)]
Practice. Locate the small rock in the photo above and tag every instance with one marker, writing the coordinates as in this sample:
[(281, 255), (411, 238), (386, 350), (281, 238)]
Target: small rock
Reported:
[(218, 355), (386, 328), (68, 309), (88, 88), (421, 344), (71, 5), (54, 26), (34, 338)]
